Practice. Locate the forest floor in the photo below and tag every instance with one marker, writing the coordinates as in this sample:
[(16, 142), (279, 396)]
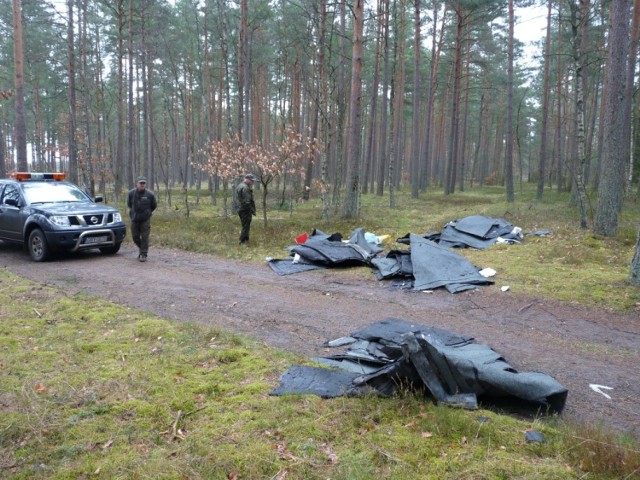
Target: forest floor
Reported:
[(578, 346)]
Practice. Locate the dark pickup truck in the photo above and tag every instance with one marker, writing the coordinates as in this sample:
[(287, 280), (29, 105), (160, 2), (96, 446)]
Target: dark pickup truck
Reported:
[(47, 214)]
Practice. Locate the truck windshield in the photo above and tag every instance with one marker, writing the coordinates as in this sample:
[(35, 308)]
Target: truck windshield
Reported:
[(53, 192)]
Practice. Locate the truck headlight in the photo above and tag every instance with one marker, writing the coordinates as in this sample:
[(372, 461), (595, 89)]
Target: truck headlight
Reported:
[(117, 217), (60, 220)]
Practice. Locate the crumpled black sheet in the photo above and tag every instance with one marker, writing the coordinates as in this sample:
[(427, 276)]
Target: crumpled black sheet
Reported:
[(475, 231), (287, 267), (449, 367), (431, 266), (435, 266), (330, 250), (425, 266)]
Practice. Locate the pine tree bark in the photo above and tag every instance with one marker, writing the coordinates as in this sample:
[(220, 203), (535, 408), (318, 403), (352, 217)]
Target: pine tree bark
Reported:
[(118, 173), (630, 85), (452, 165), (544, 128), (556, 173), (338, 143), (71, 57), (415, 140), (635, 264), (428, 143), (3, 146), (397, 95), (18, 60), (612, 172), (87, 165), (579, 18), (352, 199), (131, 167), (382, 164), (508, 165), (371, 153)]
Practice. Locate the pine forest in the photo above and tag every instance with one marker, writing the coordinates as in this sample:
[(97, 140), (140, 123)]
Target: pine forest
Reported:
[(334, 98)]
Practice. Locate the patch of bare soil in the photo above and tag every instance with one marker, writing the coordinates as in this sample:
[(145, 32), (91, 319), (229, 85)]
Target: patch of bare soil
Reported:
[(577, 346)]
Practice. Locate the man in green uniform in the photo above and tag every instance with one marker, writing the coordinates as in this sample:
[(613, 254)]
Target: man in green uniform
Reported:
[(246, 206), (141, 203)]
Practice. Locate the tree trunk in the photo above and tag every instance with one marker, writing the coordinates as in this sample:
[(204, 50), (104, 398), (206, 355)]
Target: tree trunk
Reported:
[(415, 140), (397, 103), (465, 114), (452, 165), (3, 146), (508, 162), (635, 264), (628, 106), (71, 56), (18, 60), (542, 162), (338, 134), (436, 48), (556, 173), (579, 19), (371, 153), (119, 154), (351, 204), (130, 168), (87, 164), (243, 59), (382, 159), (612, 173)]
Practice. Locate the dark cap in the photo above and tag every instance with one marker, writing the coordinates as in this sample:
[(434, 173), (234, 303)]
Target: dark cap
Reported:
[(141, 180), (250, 176)]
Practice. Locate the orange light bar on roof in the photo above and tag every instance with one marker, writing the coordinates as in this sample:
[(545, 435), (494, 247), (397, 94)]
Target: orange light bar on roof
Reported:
[(21, 176)]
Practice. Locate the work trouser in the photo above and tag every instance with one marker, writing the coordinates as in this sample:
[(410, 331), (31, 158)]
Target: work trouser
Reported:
[(245, 219), (140, 234)]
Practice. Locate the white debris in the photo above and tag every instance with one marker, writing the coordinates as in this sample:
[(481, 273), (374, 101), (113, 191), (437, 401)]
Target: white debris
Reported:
[(487, 272)]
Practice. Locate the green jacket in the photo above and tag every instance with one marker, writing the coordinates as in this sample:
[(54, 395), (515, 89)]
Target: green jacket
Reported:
[(245, 198)]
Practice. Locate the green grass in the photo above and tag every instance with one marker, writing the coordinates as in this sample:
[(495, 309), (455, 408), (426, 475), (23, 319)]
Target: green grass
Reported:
[(572, 265), (89, 389)]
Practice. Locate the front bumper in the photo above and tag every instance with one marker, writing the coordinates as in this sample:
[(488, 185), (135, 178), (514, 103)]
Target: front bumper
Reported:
[(74, 240)]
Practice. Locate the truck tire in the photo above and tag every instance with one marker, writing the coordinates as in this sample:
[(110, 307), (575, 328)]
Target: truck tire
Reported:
[(38, 247)]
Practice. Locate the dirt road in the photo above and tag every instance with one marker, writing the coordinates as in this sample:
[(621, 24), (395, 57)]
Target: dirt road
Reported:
[(576, 346)]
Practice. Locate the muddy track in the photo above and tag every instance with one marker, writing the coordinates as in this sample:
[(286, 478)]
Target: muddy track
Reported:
[(575, 345)]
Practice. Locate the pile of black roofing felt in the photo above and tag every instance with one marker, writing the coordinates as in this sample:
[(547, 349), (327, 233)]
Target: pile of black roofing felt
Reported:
[(455, 370), (429, 263)]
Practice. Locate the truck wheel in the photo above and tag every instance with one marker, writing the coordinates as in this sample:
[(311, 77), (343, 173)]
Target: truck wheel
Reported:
[(111, 250), (38, 247)]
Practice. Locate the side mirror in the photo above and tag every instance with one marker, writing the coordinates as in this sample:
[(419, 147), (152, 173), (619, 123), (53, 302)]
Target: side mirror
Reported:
[(12, 201), (98, 199)]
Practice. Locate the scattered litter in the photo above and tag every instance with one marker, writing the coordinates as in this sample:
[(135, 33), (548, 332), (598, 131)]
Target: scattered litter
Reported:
[(598, 389), (505, 288), (487, 272), (372, 238), (300, 239)]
